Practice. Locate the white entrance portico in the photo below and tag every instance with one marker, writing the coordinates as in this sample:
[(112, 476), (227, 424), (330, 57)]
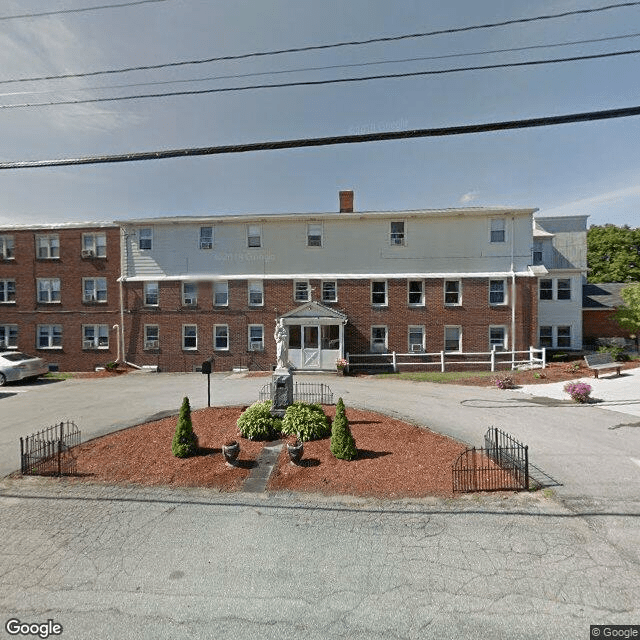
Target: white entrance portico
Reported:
[(316, 336)]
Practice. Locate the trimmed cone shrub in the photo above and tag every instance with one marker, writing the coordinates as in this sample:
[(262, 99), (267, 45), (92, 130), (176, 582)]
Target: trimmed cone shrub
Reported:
[(185, 441), (307, 421), (257, 423), (343, 446)]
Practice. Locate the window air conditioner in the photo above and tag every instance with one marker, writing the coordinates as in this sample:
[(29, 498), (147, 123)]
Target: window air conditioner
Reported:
[(255, 346), (87, 253), (190, 302), (416, 347), (88, 344), (151, 344), (89, 297)]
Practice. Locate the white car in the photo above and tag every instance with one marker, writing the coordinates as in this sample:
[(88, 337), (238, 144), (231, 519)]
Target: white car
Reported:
[(15, 365)]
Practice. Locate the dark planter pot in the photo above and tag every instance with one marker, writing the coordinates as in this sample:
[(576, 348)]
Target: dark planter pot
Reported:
[(295, 452), (230, 452)]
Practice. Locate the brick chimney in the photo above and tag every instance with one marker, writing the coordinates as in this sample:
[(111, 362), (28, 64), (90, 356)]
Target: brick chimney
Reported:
[(346, 202)]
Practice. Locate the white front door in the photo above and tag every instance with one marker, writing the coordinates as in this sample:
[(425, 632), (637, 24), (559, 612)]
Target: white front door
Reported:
[(310, 346)]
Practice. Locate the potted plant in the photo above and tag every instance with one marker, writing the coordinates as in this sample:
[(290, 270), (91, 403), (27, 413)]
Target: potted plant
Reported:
[(295, 448), (230, 451), (341, 366), (579, 391)]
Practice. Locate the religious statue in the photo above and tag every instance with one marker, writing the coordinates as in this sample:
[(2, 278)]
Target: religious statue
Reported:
[(281, 337)]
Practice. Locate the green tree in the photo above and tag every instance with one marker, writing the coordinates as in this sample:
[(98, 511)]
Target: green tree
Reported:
[(628, 315), (613, 253), (185, 441), (343, 446)]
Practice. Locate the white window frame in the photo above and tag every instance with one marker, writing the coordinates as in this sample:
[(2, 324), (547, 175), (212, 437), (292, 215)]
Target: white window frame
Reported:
[(297, 288), (221, 327), (254, 287), (95, 243), (375, 340), (497, 230), (206, 238), (9, 336), (398, 238), (186, 327), (570, 336), (504, 300), (315, 235), (189, 299), (504, 345), (252, 343), (458, 328), (151, 337), (145, 236), (458, 294), (221, 286), (386, 293), (414, 329), (53, 334), (50, 286), (93, 295), (254, 236), (420, 303), (548, 337), (7, 291), (48, 246), (547, 289), (563, 289), (100, 331), (335, 291), (145, 293), (7, 247), (537, 253)]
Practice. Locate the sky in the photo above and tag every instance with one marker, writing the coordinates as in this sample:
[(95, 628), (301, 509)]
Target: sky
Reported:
[(574, 169)]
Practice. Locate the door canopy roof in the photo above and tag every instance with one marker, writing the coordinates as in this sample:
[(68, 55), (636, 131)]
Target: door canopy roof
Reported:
[(313, 311)]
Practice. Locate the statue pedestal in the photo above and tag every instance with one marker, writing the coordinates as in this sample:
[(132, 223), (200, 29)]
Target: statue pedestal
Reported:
[(282, 392)]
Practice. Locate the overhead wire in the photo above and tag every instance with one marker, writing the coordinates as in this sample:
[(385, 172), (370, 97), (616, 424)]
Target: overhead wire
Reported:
[(56, 12)]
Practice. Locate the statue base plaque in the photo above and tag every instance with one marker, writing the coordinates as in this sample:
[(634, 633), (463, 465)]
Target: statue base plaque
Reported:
[(282, 392)]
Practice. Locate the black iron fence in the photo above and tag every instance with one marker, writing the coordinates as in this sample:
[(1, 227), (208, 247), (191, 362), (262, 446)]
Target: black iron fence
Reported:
[(502, 464), (311, 392), (50, 451)]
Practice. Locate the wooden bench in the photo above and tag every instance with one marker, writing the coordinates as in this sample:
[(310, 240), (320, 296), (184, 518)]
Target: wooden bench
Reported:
[(598, 361)]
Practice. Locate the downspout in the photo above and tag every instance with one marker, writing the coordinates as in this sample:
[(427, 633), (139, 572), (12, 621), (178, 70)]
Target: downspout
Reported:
[(123, 261), (513, 296)]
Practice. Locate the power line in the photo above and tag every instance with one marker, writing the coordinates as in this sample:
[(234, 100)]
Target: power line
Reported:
[(325, 67), (326, 46), (307, 83), (334, 140), (79, 10)]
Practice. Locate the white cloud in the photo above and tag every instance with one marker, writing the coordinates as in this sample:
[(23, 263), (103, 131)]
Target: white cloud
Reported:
[(469, 197)]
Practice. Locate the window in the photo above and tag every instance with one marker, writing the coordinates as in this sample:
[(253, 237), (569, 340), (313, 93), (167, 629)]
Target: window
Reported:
[(452, 292), (206, 237), (564, 337), (314, 235), (497, 233), (379, 292), (151, 336), (48, 290), (8, 336), (189, 337), (7, 248), (48, 246), (7, 291), (378, 339), (221, 337), (49, 336), (256, 337), (189, 294), (497, 292), (546, 289), (452, 339), (94, 289), (145, 238), (221, 294), (416, 339), (295, 336), (416, 292), (546, 336), (301, 291), (256, 293), (94, 245), (151, 294), (330, 336), (329, 291), (497, 338), (537, 253), (95, 336), (396, 237), (254, 235), (564, 289)]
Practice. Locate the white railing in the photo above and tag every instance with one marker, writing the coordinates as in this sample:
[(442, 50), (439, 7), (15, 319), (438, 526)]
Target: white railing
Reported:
[(442, 359)]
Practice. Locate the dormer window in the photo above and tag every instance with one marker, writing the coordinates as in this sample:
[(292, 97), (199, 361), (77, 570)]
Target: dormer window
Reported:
[(397, 234), (254, 236), (145, 238), (497, 232)]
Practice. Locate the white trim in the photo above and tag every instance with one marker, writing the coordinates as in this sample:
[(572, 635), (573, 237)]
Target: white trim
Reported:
[(215, 347), (184, 326)]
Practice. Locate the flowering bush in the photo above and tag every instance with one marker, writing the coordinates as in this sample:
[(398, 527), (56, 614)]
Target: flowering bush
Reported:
[(579, 391), (341, 363), (504, 381)]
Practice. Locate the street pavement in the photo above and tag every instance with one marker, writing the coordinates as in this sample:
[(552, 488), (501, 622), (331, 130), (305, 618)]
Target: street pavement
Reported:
[(135, 562)]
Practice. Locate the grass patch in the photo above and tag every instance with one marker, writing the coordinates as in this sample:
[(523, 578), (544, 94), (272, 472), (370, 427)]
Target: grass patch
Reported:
[(58, 375), (437, 376)]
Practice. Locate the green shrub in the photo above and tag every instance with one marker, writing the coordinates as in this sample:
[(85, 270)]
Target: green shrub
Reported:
[(343, 446), (307, 421), (617, 353), (185, 441), (257, 423)]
